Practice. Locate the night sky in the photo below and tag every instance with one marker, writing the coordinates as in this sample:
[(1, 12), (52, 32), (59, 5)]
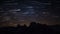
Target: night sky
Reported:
[(21, 12)]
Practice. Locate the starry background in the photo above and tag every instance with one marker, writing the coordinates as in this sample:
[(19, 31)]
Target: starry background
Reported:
[(13, 12)]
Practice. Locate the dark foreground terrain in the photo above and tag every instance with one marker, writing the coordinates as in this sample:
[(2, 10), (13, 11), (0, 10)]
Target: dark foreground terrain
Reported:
[(32, 29)]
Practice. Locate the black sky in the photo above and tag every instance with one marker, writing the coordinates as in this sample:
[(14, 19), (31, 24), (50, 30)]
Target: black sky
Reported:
[(24, 11)]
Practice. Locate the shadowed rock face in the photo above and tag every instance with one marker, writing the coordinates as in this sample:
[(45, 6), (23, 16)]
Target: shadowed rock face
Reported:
[(34, 28)]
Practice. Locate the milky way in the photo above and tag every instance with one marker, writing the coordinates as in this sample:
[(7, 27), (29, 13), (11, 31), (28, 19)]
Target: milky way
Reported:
[(27, 11)]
